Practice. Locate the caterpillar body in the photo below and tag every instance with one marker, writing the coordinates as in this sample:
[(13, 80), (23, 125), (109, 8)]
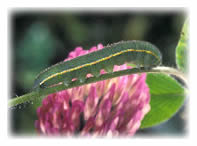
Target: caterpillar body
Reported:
[(140, 53)]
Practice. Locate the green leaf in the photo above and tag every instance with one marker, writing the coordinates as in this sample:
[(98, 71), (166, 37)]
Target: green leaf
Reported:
[(182, 49), (167, 97)]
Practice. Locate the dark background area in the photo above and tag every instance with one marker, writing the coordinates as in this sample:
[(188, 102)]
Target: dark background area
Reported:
[(41, 39)]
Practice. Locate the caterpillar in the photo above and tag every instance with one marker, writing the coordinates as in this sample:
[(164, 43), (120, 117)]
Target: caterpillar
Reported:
[(140, 53)]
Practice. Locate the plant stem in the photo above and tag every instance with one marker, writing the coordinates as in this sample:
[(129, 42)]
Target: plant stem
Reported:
[(43, 92)]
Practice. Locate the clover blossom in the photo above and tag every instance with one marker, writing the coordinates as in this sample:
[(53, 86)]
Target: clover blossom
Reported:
[(111, 107)]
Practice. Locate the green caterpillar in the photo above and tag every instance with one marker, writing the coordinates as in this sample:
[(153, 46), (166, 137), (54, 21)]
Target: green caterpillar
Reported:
[(139, 53)]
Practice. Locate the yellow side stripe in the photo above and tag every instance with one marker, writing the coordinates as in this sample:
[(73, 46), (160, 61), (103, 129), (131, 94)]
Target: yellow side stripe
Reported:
[(95, 62)]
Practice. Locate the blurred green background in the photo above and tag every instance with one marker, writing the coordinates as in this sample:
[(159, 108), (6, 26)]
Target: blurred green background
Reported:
[(40, 39)]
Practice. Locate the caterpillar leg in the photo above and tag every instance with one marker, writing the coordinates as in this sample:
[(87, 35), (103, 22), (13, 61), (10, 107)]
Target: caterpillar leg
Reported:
[(109, 69), (82, 80), (82, 77), (147, 62), (67, 81), (95, 70), (96, 73)]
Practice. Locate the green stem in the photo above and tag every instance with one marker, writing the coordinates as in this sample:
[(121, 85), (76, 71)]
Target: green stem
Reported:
[(43, 92)]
